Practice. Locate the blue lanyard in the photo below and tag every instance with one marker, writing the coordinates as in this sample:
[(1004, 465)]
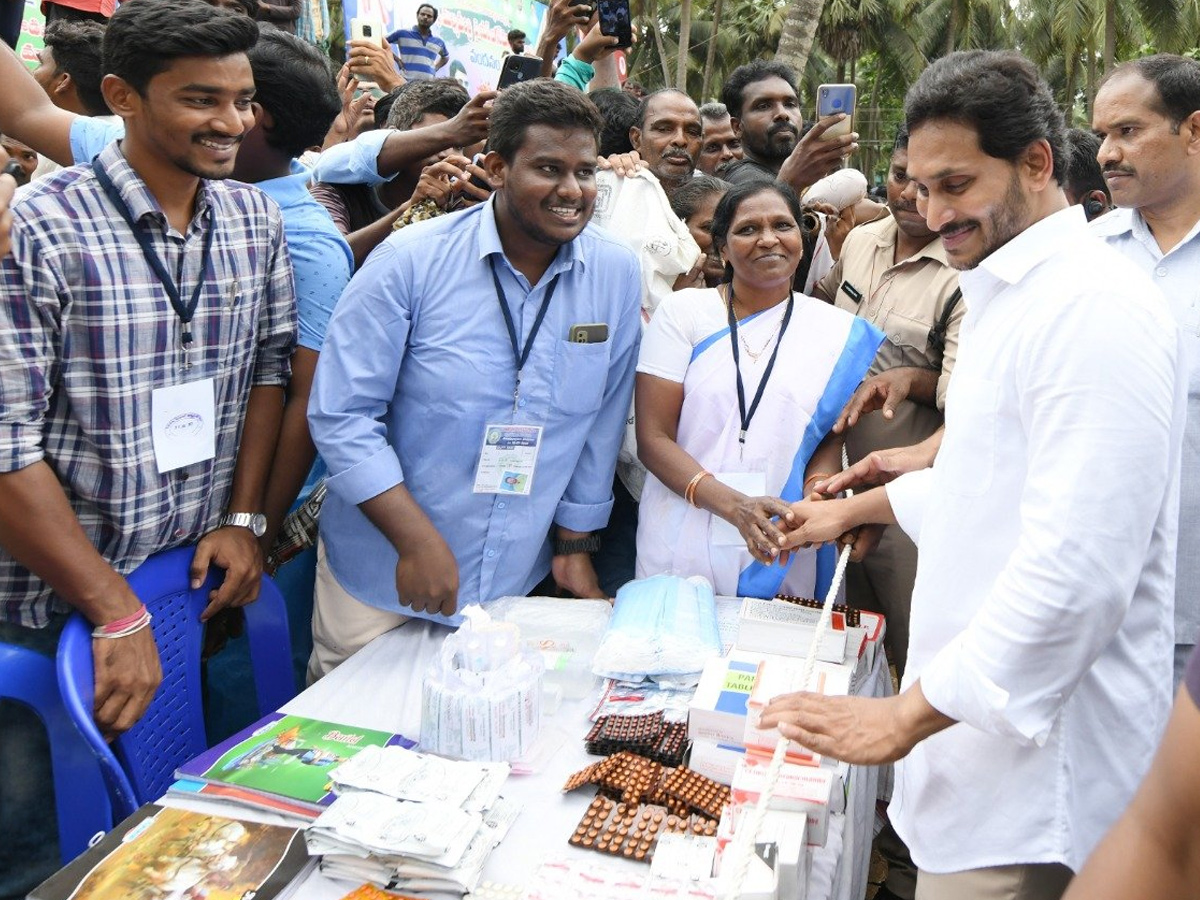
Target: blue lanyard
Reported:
[(747, 415), (520, 357), (185, 311)]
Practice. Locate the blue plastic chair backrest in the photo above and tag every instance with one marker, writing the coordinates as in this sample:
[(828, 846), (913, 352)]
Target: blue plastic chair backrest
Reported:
[(172, 730), (80, 795)]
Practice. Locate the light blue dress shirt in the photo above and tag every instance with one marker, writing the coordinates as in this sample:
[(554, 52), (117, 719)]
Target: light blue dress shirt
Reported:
[(354, 162), (1177, 274), (418, 361)]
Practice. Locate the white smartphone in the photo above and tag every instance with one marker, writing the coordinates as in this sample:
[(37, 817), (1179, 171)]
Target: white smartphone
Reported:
[(833, 99), (367, 30)]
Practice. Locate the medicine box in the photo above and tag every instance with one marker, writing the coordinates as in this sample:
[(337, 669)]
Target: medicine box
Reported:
[(715, 761), (782, 675), (717, 712), (799, 789), (787, 629)]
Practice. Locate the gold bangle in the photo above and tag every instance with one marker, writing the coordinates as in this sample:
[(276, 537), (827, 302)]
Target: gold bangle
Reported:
[(815, 477), (689, 492)]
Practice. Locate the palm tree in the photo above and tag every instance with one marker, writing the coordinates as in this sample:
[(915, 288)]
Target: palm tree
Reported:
[(799, 31), (685, 36)]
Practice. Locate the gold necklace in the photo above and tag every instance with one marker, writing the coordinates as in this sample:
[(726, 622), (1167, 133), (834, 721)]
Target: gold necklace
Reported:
[(755, 354)]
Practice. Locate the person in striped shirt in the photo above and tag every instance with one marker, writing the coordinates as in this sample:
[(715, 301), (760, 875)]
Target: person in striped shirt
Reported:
[(421, 54)]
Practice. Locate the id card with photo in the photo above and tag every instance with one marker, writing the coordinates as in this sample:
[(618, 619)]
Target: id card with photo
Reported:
[(508, 459)]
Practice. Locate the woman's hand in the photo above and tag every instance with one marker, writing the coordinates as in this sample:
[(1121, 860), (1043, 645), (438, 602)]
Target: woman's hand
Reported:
[(816, 521), (754, 519)]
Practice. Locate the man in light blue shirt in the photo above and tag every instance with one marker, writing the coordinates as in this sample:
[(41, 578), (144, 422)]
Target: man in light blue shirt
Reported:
[(1147, 114), (512, 319)]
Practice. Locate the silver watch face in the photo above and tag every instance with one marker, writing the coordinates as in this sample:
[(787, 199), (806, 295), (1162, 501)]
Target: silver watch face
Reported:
[(256, 522)]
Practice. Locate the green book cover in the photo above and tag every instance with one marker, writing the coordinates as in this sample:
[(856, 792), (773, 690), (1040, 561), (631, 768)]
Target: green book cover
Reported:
[(288, 756)]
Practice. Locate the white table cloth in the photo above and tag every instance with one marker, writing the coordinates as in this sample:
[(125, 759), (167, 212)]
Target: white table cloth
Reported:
[(380, 687)]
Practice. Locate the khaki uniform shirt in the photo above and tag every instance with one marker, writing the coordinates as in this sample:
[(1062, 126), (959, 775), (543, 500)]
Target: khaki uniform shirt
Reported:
[(904, 300)]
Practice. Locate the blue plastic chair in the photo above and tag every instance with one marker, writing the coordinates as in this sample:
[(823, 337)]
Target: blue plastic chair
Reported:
[(80, 795), (172, 730)]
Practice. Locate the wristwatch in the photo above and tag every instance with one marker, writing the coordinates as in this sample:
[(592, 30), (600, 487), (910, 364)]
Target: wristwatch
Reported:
[(256, 522), (589, 544)]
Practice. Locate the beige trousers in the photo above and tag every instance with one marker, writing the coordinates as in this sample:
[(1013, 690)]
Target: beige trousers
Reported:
[(1037, 881), (341, 625)]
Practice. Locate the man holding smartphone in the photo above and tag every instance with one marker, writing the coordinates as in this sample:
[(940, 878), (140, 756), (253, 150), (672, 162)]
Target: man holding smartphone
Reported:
[(765, 112), (471, 448)]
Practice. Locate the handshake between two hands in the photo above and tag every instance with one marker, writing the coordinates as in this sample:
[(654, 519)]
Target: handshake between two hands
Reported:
[(818, 519)]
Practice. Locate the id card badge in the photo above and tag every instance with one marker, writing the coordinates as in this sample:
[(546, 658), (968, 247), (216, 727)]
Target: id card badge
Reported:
[(508, 459), (752, 484), (183, 424)]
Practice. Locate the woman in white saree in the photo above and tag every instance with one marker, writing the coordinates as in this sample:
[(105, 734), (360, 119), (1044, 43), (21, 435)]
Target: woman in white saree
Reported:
[(737, 389)]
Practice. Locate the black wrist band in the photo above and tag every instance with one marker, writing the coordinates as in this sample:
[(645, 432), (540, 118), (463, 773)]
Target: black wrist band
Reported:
[(589, 544)]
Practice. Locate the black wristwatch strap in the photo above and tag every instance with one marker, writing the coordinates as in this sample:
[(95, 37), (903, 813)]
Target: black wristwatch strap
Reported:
[(589, 544)]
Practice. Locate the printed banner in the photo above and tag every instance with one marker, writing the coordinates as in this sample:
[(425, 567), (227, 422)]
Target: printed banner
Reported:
[(33, 26), (475, 31)]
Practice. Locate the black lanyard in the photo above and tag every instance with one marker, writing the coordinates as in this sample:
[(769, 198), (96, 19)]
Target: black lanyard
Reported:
[(184, 311), (747, 415), (520, 357)]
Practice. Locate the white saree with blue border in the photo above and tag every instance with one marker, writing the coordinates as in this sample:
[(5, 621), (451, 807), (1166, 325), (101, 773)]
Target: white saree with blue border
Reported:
[(823, 356)]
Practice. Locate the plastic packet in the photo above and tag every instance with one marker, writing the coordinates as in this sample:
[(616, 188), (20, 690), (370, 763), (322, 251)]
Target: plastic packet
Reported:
[(661, 626), (482, 696)]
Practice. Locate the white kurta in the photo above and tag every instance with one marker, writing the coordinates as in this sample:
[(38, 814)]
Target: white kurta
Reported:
[(1041, 615), (1177, 275)]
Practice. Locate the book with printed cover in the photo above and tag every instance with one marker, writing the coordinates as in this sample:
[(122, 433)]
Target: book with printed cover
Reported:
[(286, 756), (162, 854)]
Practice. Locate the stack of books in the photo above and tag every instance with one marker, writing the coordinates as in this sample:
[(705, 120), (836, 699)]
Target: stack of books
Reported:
[(371, 809), (281, 764)]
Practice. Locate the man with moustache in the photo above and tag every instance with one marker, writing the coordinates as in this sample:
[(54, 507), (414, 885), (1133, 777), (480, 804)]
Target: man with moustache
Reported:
[(634, 204), (414, 402), (1147, 114), (1038, 678), (765, 113), (719, 144), (140, 281)]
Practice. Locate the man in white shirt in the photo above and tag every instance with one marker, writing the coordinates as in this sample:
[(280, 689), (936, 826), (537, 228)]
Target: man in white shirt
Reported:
[(634, 206), (1147, 114), (1046, 529)]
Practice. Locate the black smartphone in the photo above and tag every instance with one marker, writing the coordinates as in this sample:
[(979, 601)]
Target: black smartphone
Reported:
[(591, 333), (516, 69), (616, 21)]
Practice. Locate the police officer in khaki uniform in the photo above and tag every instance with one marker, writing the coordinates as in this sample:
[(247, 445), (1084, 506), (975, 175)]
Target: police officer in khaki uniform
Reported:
[(894, 273)]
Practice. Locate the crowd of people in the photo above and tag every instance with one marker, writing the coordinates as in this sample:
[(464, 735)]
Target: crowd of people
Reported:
[(549, 339)]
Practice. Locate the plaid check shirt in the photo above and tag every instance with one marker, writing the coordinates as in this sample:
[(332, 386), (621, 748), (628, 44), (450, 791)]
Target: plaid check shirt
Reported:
[(87, 333)]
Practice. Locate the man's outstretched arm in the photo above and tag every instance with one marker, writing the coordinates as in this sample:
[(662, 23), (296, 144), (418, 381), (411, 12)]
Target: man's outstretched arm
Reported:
[(27, 114)]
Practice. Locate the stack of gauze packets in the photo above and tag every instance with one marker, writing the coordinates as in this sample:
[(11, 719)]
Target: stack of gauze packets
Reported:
[(412, 821)]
